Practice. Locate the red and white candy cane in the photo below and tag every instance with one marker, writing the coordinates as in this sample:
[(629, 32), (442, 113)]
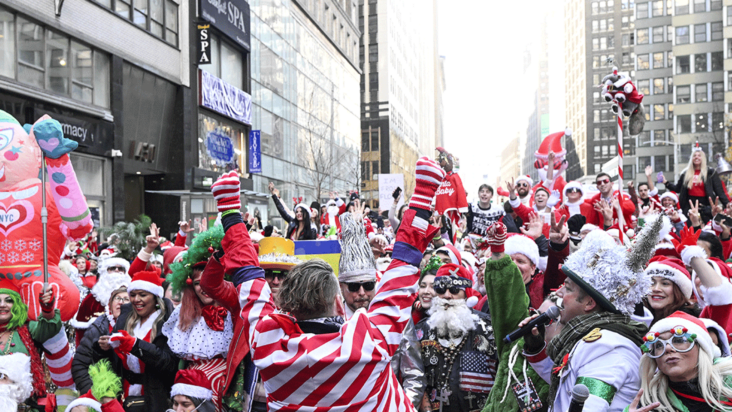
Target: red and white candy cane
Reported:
[(620, 167)]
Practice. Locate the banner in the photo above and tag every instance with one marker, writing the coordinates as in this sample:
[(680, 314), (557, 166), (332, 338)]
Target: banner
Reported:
[(255, 152), (231, 17), (225, 99), (387, 184)]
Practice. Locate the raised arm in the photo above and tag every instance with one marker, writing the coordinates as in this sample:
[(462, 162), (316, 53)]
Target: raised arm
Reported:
[(281, 208)]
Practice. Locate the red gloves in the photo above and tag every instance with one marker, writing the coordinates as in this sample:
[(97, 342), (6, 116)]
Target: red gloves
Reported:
[(496, 235), (122, 341), (226, 192), (688, 248), (429, 176), (47, 307)]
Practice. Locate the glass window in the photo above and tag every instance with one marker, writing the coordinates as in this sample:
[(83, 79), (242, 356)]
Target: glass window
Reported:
[(700, 92), (670, 110), (31, 65), (669, 84), (595, 44), (657, 8), (594, 8), (717, 61), (669, 33), (641, 10), (659, 112), (595, 26), (81, 72), (596, 116), (603, 7), (643, 63), (682, 65), (611, 24), (729, 16), (700, 63), (139, 16), (642, 36), (643, 87), (729, 81), (717, 91), (625, 40), (57, 55), (374, 140), (701, 121), (603, 43), (682, 6), (171, 22), (156, 17), (669, 59), (716, 5), (101, 79), (232, 66), (682, 35), (683, 123), (717, 30), (658, 60), (683, 94), (658, 85), (700, 33), (729, 45), (658, 34), (700, 6), (7, 43), (717, 121)]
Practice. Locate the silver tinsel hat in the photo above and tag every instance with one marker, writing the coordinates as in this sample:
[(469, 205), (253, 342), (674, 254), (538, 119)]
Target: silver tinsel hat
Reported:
[(610, 274), (357, 262)]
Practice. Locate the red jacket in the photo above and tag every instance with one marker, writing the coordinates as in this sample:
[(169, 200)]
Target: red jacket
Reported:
[(594, 217)]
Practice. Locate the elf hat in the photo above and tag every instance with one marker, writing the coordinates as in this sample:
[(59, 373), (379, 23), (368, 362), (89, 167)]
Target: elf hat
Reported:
[(148, 281), (518, 243), (692, 325), (673, 270), (451, 274), (192, 383)]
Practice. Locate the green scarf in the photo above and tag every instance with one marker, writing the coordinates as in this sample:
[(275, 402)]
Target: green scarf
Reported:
[(579, 327)]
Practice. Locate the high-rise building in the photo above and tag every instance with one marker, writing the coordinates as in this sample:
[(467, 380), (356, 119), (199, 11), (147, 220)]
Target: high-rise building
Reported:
[(598, 36), (397, 89), (440, 86), (510, 161)]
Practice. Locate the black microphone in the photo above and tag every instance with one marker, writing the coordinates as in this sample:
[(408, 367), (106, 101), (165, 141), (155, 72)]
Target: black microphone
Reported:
[(580, 393), (544, 319)]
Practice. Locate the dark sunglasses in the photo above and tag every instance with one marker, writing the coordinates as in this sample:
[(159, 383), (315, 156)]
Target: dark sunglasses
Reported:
[(281, 275), (367, 286), (574, 190), (522, 184), (602, 182), (116, 269), (440, 289)]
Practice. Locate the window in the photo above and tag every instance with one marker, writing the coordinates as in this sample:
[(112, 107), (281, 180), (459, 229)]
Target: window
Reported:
[(595, 44), (643, 63), (227, 64), (641, 10), (669, 84), (717, 30), (596, 116), (700, 6), (596, 134), (657, 8), (700, 33), (595, 26), (365, 171), (717, 91), (729, 16), (658, 60), (610, 42), (700, 91), (702, 122), (682, 65), (717, 61), (625, 22), (659, 112), (669, 32), (611, 24), (658, 34), (683, 123), (716, 5), (159, 17), (603, 43), (595, 62), (729, 45), (603, 7), (700, 63), (374, 140), (670, 110), (683, 94), (670, 59), (682, 35), (626, 39), (603, 25), (682, 6), (50, 60), (658, 85), (594, 8), (643, 87), (375, 169), (717, 121), (596, 166), (626, 60), (642, 36)]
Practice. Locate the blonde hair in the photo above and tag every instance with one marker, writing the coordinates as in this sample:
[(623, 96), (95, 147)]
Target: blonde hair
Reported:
[(711, 382), (689, 173), (309, 290), (134, 319)]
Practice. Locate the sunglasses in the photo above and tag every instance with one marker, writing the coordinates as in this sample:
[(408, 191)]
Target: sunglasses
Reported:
[(271, 274), (367, 286), (681, 341), (574, 190), (116, 269), (440, 289), (602, 182), (522, 185)]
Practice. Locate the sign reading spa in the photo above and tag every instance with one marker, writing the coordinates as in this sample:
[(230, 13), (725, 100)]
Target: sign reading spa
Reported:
[(231, 17)]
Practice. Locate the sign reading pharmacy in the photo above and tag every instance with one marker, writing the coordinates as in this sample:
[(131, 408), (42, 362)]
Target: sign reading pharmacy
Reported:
[(231, 17)]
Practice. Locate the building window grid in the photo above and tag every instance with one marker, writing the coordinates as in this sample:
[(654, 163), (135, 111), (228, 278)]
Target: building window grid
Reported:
[(700, 33), (158, 17)]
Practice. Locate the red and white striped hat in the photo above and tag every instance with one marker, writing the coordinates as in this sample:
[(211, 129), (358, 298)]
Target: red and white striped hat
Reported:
[(148, 281), (192, 383)]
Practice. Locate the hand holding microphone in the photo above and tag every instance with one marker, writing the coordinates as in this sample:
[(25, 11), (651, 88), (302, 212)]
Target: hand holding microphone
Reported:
[(533, 343)]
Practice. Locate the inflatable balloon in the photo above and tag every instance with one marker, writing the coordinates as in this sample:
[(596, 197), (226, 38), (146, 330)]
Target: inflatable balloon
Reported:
[(21, 231)]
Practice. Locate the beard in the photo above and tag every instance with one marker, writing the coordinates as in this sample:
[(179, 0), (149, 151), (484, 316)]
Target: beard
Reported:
[(11, 394), (451, 318)]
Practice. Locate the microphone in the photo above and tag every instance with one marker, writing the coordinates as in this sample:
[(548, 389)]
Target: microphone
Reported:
[(580, 393), (544, 319)]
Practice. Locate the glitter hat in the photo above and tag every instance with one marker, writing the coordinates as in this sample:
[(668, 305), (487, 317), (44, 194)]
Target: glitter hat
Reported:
[(357, 262)]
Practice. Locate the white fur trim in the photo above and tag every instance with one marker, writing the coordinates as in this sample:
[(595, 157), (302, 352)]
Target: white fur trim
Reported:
[(679, 278), (191, 391), (17, 367), (523, 245), (702, 335), (718, 295), (646, 318), (144, 256), (147, 287), (669, 195), (113, 261), (471, 301), (88, 402), (691, 252), (570, 185), (81, 325), (525, 179)]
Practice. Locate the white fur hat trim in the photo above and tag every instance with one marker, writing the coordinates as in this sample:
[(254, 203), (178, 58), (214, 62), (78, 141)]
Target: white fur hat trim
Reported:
[(90, 403), (523, 245), (191, 391)]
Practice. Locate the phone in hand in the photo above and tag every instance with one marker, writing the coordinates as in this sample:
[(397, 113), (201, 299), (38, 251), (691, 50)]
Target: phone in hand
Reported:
[(396, 193), (722, 218), (659, 177)]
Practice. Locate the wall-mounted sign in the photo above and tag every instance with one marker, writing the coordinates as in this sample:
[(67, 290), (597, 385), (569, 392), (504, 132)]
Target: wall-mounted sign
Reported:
[(204, 44), (231, 17), (255, 152), (224, 98), (142, 151), (94, 136), (220, 148)]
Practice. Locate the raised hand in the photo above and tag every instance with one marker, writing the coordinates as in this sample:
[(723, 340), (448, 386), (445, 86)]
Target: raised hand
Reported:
[(534, 226), (428, 178), (716, 206), (634, 405), (607, 211), (226, 191), (51, 140), (511, 187), (496, 237), (273, 190), (558, 231), (631, 185), (185, 227), (694, 215), (649, 171), (689, 237)]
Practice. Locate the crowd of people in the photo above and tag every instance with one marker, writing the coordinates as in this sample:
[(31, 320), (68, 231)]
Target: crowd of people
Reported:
[(420, 312)]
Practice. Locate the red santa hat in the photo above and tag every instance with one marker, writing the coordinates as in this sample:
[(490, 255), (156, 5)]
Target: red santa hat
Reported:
[(170, 255), (8, 285), (666, 250), (192, 383), (679, 323), (518, 243), (87, 400), (451, 251), (457, 275), (525, 178), (553, 143), (148, 281), (673, 270), (669, 195)]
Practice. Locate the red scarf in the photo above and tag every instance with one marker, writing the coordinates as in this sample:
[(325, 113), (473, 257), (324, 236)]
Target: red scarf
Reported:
[(39, 378)]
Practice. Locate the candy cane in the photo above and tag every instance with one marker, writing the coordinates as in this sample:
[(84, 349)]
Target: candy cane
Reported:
[(620, 167)]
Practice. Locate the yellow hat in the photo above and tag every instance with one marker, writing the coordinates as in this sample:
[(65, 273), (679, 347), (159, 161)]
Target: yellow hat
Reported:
[(277, 253)]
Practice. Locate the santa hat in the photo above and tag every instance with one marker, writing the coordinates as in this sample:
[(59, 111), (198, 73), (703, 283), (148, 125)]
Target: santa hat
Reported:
[(666, 250), (148, 281), (669, 195), (192, 383), (525, 178), (111, 262), (517, 243), (687, 324), (306, 208), (721, 337), (171, 255), (673, 270), (451, 251), (452, 274), (573, 185), (553, 143), (17, 367)]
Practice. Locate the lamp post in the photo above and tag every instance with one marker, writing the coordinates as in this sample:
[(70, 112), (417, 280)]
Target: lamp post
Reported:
[(675, 145)]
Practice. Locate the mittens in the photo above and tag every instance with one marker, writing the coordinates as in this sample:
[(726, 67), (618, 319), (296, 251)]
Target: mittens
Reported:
[(429, 175), (122, 341), (226, 192), (496, 235)]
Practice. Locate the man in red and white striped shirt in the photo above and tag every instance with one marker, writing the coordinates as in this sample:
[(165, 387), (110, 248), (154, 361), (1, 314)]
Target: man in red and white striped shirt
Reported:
[(333, 367)]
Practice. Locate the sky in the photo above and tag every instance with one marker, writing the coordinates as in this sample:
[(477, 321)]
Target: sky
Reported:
[(486, 94)]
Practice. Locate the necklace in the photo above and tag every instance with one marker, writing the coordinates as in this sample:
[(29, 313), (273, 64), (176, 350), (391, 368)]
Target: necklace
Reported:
[(449, 356), (8, 343)]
